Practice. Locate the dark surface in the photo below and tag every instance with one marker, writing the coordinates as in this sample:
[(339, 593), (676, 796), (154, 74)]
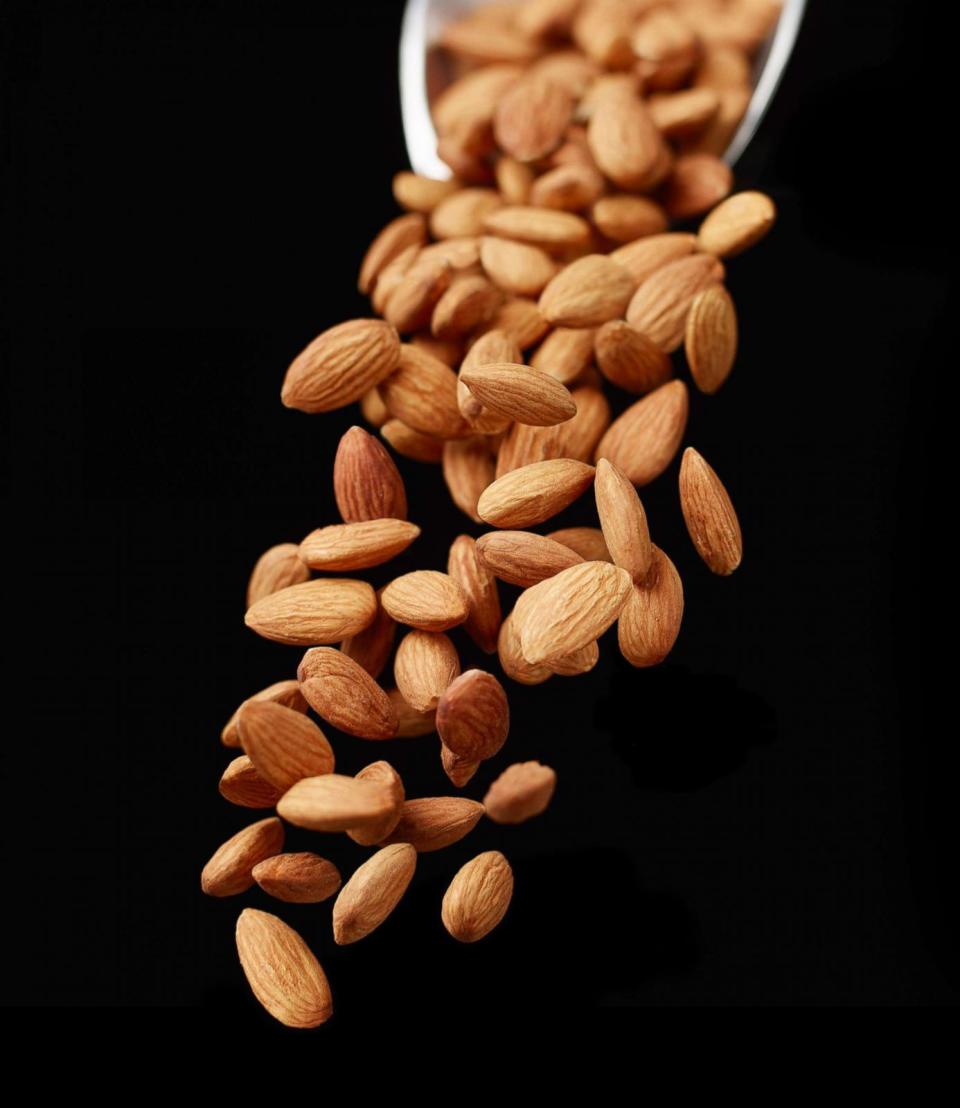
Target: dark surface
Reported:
[(764, 820)]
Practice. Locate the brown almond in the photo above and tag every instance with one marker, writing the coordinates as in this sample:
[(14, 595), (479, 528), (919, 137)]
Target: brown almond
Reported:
[(373, 892), (340, 365), (523, 558), (494, 346), (384, 775), (650, 621), (468, 467), (468, 104), (696, 184), (410, 305), (569, 68), (422, 392), (660, 305), (522, 791), (371, 647), (568, 188), (324, 610), (520, 392), (717, 135), (242, 785), (523, 445), (366, 481), (513, 180), (625, 142), (644, 440), (286, 693), (565, 353), (480, 589), (645, 256), (426, 599), (623, 520), (421, 194), (544, 227), (681, 114), (709, 515), (578, 437), (425, 664), (576, 662), (230, 870), (335, 803), (344, 694), (391, 276), (630, 360), (667, 39), (410, 443), (276, 568), (516, 267), (588, 542), (374, 411), (534, 493), (412, 724), (722, 66), (302, 878), (520, 319), (459, 770), (737, 223), (515, 666), (473, 717), (624, 218), (478, 897), (462, 214), (398, 235), (282, 971), (710, 341), (350, 546), (461, 254), (470, 301), (283, 745), (587, 292), (485, 40), (433, 822), (531, 118)]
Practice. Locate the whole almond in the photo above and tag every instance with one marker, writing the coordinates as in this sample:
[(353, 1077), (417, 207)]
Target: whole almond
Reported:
[(374, 411), (716, 136), (325, 610), (588, 542), (412, 723), (286, 693), (602, 31), (283, 745), (534, 492), (722, 65), (569, 68), (523, 558), (587, 293), (520, 320), (681, 114), (576, 662), (645, 256), (391, 277), (570, 610), (462, 214), (426, 599), (468, 467), (625, 142), (696, 184), (335, 803), (491, 347), (282, 971), (421, 194), (737, 223), (523, 444), (366, 481), (624, 218), (650, 620), (459, 770), (340, 365), (516, 267), (398, 235), (449, 351), (568, 188), (565, 353), (276, 568), (303, 878), (515, 666), (384, 775), (410, 305), (425, 664), (623, 520), (709, 515), (644, 440), (522, 791), (469, 102), (423, 394), (660, 305), (543, 227), (433, 822), (242, 785), (578, 437), (230, 870), (461, 253), (373, 892), (470, 301), (410, 443), (487, 40), (531, 118), (630, 360), (478, 897), (710, 341), (350, 546), (473, 717), (520, 392), (371, 647), (480, 589), (344, 694)]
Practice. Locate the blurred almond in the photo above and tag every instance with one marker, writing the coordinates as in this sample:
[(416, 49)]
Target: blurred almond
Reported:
[(480, 589), (520, 392), (710, 341), (513, 180), (679, 114), (577, 662), (666, 41), (737, 223), (398, 235), (516, 267), (412, 724), (283, 745), (588, 542), (449, 351), (523, 558), (696, 184), (578, 437), (459, 770), (587, 293), (625, 142), (421, 194), (473, 717), (709, 515), (478, 897), (386, 777), (630, 360), (569, 68), (543, 227), (469, 102), (531, 118), (468, 467), (660, 305), (515, 666), (624, 218), (462, 214), (335, 803), (565, 353), (426, 599), (422, 392), (483, 40), (425, 665), (521, 321), (242, 785), (351, 546), (340, 365), (602, 31), (344, 694), (645, 256), (373, 892), (623, 520), (568, 188), (276, 568), (410, 443), (470, 301), (644, 440), (371, 647), (286, 693), (431, 823), (230, 870), (718, 133), (390, 277), (324, 610), (522, 791), (410, 305), (297, 878), (534, 492), (366, 482), (650, 620)]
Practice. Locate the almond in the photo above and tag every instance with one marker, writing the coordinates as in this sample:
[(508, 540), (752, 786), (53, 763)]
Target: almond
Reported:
[(426, 599), (531, 118), (350, 546), (344, 694), (410, 443), (722, 66), (565, 353), (716, 136), (470, 301), (325, 610), (644, 440), (282, 972), (602, 31), (539, 226), (647, 255), (568, 188), (521, 321), (520, 392), (421, 194), (588, 542), (373, 892), (286, 693), (425, 664), (625, 142), (480, 589), (697, 183), (660, 305), (473, 717), (570, 610), (468, 467), (522, 445), (666, 41), (650, 620), (410, 305), (569, 68), (494, 346), (630, 360), (578, 437), (412, 723), (462, 254), (423, 394), (277, 568), (335, 803), (482, 40), (433, 822), (371, 647), (534, 492), (523, 558), (459, 770), (340, 365), (681, 114), (522, 791), (391, 277), (230, 870), (513, 180), (516, 267), (737, 223), (709, 515), (710, 341), (468, 104), (366, 481), (623, 520), (478, 897), (577, 662), (374, 411), (462, 214), (297, 878), (242, 785), (587, 293), (398, 235), (384, 775), (624, 218), (283, 745), (515, 666)]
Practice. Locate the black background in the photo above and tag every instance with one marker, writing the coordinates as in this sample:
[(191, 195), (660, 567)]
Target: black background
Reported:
[(764, 820)]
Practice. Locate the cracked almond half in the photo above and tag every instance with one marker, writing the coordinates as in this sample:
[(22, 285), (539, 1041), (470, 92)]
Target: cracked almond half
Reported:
[(372, 893)]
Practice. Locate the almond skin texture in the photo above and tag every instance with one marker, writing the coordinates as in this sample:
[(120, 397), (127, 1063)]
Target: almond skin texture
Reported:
[(565, 353), (470, 301), (343, 693), (297, 878), (697, 183), (283, 745), (660, 305), (351, 546), (521, 393), (710, 342), (425, 664), (433, 822), (340, 365), (480, 589), (423, 394), (366, 481), (230, 870), (459, 770), (335, 803), (651, 618), (478, 897), (588, 542), (322, 611), (515, 666), (539, 227), (243, 786), (516, 267), (426, 599), (398, 235), (371, 647), (412, 723), (282, 971), (384, 775), (531, 118), (468, 467), (490, 348), (709, 515), (373, 892), (645, 439), (521, 792), (534, 492), (473, 716), (286, 693), (523, 558), (570, 610), (737, 223), (630, 360), (410, 443), (587, 293), (277, 568), (625, 142), (623, 520), (647, 255), (576, 663)]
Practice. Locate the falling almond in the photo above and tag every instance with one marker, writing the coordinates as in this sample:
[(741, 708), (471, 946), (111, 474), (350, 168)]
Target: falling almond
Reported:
[(478, 897), (709, 515)]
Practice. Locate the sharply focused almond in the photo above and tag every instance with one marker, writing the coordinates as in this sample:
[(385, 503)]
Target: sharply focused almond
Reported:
[(644, 440), (629, 359), (340, 365), (696, 183), (625, 142), (660, 305), (587, 293), (302, 878), (421, 194), (371, 647), (653, 252), (522, 791), (478, 897), (531, 118), (624, 218), (468, 467), (459, 770), (411, 443), (433, 822), (343, 693), (384, 775), (623, 520), (565, 353), (325, 610), (373, 892), (515, 666), (242, 785), (491, 347), (521, 392), (411, 723), (480, 589), (426, 599), (576, 662), (462, 214), (588, 542), (422, 392), (534, 492), (539, 226), (650, 621), (710, 341), (425, 664), (523, 558), (335, 803), (283, 745), (516, 267), (230, 870), (473, 717), (276, 568), (709, 515), (351, 546), (286, 693), (398, 235), (737, 223), (366, 481)]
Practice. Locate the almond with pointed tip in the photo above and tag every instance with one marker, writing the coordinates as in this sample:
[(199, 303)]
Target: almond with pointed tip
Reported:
[(514, 665), (470, 101), (425, 664), (650, 621), (411, 723), (480, 589), (516, 267), (624, 217), (577, 662), (230, 870), (682, 114), (697, 183), (302, 878), (410, 443), (286, 693), (709, 515), (461, 214), (373, 892), (335, 803), (737, 223), (426, 599), (644, 440), (490, 347), (578, 437), (434, 822), (521, 320), (398, 235), (371, 647), (520, 392), (534, 492), (243, 786), (710, 341), (366, 482), (468, 468), (629, 359), (565, 353), (625, 142), (276, 568), (469, 302), (623, 520), (341, 364), (283, 745), (324, 610), (459, 770), (343, 693), (478, 897), (383, 774), (352, 546), (645, 256), (423, 394), (391, 277), (473, 716), (542, 227), (660, 305), (587, 292), (522, 557), (522, 791), (421, 194)]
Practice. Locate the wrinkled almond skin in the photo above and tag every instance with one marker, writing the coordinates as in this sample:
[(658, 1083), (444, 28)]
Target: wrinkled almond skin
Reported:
[(515, 666), (623, 520), (412, 444), (335, 803), (286, 693), (697, 183), (230, 870), (625, 142), (470, 301), (412, 723), (478, 897), (382, 774), (373, 892), (644, 440), (276, 568), (243, 786), (522, 791), (468, 467), (491, 347), (434, 822), (459, 770), (480, 589), (324, 610), (423, 394), (578, 437), (542, 227), (660, 305), (534, 492), (352, 546), (520, 320), (366, 481), (284, 746), (340, 365), (425, 664), (344, 694), (523, 558), (737, 223), (473, 716), (297, 878), (630, 360), (709, 515), (371, 647), (531, 118), (587, 293), (710, 342), (650, 621), (398, 235), (521, 393), (588, 542), (426, 599), (565, 353), (282, 971)]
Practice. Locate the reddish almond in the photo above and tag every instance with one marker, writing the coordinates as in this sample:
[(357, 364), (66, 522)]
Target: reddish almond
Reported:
[(242, 785), (523, 558), (650, 620), (277, 568), (366, 481), (426, 599), (297, 878), (709, 515), (325, 610), (473, 717), (283, 745), (522, 791), (343, 693)]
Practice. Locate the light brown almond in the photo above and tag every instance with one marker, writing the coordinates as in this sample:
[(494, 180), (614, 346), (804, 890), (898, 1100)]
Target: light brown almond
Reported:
[(520, 392), (516, 267), (588, 542), (568, 188), (662, 35), (650, 620), (433, 822), (459, 770), (461, 254), (468, 467), (709, 515), (230, 870), (606, 85), (534, 493), (602, 31), (344, 694), (522, 791), (470, 301), (409, 307), (710, 341), (426, 599), (578, 437), (587, 293), (577, 662), (531, 118), (448, 351), (660, 305), (644, 440), (513, 180), (716, 136), (624, 218), (737, 223), (286, 693), (366, 481), (623, 520), (391, 276), (350, 546), (340, 365), (462, 214), (484, 40), (625, 142), (425, 664), (480, 589), (324, 610), (335, 803), (373, 892), (371, 647), (681, 114), (276, 568), (468, 104), (412, 724), (494, 346), (565, 353), (523, 558), (398, 235), (645, 256), (421, 194), (630, 360), (242, 785), (282, 971), (696, 184), (473, 716), (422, 392), (283, 745), (722, 66), (302, 878), (412, 444), (523, 445), (382, 774), (515, 666), (478, 897), (539, 226), (374, 411), (521, 320), (546, 18)]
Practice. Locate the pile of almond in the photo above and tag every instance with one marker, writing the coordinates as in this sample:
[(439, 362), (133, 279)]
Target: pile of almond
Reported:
[(511, 297)]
